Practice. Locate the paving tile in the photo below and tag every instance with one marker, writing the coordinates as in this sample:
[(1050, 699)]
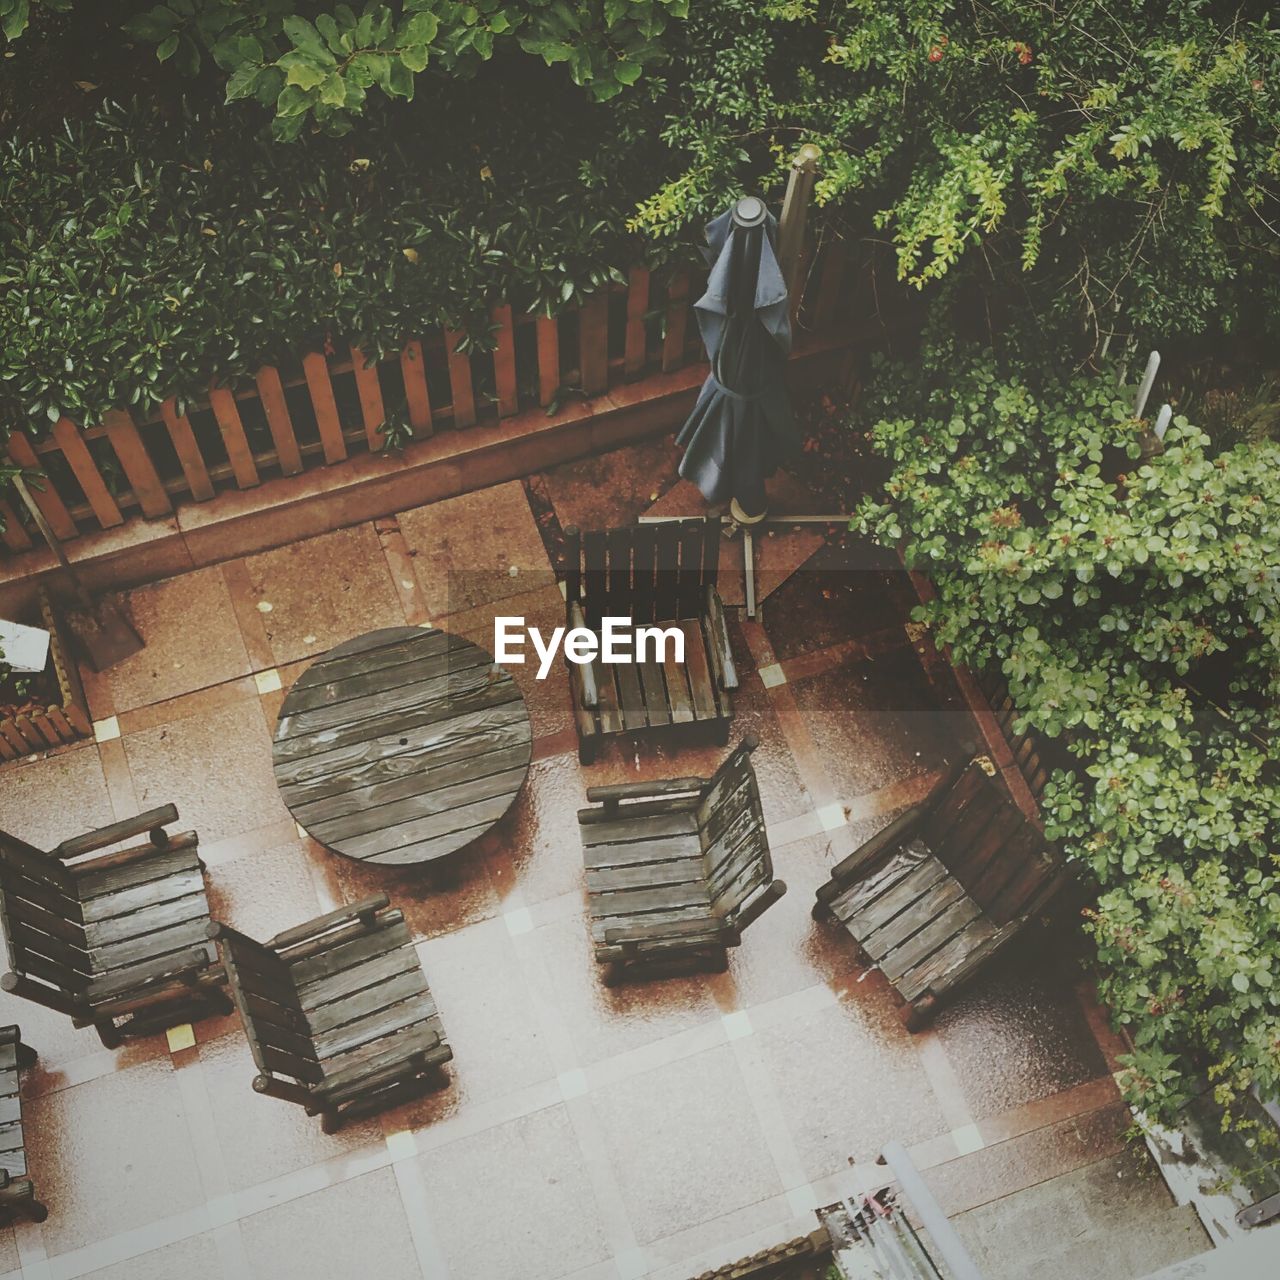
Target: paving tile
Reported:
[(1020, 1034), (986, 1175), (536, 1216), (350, 1230), (49, 800), (264, 892), (848, 1080), (476, 549), (539, 854), (602, 1021), (488, 1012), (192, 640), (111, 1154), (685, 1143), (874, 722), (608, 490), (435, 899), (9, 1259), (322, 591), (215, 768), (786, 951), (264, 1138), (849, 588), (193, 1259)]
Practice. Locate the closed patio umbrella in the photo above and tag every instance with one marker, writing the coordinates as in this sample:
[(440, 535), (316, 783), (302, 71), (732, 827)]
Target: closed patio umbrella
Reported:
[(741, 427)]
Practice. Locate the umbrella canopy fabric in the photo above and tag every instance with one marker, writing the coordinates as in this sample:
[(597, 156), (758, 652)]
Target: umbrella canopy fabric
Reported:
[(741, 428)]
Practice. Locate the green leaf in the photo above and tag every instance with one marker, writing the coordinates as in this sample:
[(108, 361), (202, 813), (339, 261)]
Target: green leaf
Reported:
[(414, 57)]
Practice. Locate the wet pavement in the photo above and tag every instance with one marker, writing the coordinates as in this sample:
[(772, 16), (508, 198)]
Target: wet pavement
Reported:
[(655, 1129)]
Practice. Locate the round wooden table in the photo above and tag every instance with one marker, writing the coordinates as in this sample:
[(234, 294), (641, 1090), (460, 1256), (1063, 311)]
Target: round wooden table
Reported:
[(401, 746)]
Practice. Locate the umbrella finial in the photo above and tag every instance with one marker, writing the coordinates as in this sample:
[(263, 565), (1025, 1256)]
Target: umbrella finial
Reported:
[(749, 212)]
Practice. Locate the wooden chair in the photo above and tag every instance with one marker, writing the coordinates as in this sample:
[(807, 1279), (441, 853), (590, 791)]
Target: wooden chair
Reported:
[(662, 574), (934, 896), (337, 1011), (676, 869), (116, 942), (17, 1193)]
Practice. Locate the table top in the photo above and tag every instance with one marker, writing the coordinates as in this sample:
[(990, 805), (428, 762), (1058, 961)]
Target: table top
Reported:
[(401, 746)]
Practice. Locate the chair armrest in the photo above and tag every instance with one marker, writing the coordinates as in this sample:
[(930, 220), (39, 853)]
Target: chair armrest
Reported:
[(178, 965), (672, 931), (645, 790), (755, 907), (895, 833), (153, 821), (718, 642), (581, 674), (366, 909)]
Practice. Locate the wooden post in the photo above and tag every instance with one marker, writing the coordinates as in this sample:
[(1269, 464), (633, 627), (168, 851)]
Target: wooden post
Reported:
[(145, 481), (633, 360), (45, 503), (413, 368), (795, 217), (369, 389), (280, 424), (464, 397), (227, 414), (68, 438), (677, 322), (504, 363), (184, 445), (315, 369), (548, 332)]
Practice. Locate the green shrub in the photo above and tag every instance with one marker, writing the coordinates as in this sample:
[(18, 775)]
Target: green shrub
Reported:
[(140, 255), (1116, 611)]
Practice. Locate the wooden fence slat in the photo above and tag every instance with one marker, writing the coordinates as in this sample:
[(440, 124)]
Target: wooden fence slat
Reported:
[(47, 498), (184, 445), (7, 734), (504, 363), (464, 396), (68, 438), (79, 721), (634, 353), (227, 414), (593, 343), (413, 368), (46, 729), (13, 535), (677, 321), (279, 421), (369, 389), (144, 479), (316, 370), (548, 332), (62, 724)]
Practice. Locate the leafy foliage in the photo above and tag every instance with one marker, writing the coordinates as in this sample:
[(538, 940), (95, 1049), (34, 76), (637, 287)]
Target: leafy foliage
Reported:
[(140, 256), (1114, 611), (1114, 162), (320, 61)]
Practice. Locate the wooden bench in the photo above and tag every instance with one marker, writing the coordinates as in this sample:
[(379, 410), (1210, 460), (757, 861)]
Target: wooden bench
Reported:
[(337, 1012), (117, 942), (940, 890), (676, 869), (17, 1193), (663, 574)]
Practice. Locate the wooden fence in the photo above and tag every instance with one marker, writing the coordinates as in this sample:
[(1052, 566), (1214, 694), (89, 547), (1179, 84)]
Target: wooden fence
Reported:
[(322, 409)]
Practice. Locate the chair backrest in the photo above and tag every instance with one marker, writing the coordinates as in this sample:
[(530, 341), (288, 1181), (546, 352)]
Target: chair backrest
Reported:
[(270, 1008), (43, 925), (731, 825), (989, 845), (648, 572)]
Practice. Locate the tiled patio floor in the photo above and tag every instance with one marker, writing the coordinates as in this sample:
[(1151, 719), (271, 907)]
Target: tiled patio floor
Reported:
[(651, 1130)]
